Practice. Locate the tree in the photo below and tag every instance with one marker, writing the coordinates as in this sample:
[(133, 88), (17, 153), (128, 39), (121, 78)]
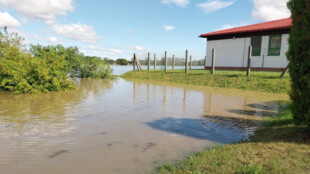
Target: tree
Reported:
[(44, 68), (22, 72), (122, 61), (94, 67), (299, 58), (109, 61)]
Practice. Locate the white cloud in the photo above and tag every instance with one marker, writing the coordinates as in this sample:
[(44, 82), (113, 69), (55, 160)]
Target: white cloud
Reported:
[(102, 51), (267, 10), (229, 26), (169, 28), (92, 50), (180, 3), (45, 10), (224, 27), (54, 40), (114, 51), (139, 48), (81, 32), (214, 5), (7, 20)]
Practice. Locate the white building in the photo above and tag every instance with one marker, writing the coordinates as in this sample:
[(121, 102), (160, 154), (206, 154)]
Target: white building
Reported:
[(269, 41)]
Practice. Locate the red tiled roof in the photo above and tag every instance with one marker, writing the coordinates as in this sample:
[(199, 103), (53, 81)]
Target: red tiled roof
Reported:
[(265, 26)]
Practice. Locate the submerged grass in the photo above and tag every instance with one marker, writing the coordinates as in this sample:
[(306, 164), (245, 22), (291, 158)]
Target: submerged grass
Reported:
[(278, 146), (258, 81)]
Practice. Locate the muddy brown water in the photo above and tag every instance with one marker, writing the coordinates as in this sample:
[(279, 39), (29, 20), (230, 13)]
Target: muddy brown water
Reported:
[(121, 126)]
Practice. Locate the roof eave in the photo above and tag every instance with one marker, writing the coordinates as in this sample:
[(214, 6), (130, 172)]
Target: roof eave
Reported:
[(246, 34)]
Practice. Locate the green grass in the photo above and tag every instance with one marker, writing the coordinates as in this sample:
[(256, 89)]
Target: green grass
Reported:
[(258, 81), (278, 146)]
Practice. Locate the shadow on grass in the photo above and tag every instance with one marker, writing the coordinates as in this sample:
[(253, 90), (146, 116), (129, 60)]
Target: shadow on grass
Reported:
[(252, 76), (271, 106), (253, 112), (281, 128), (289, 133)]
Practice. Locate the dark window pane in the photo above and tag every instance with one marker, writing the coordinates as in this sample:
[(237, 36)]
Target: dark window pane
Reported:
[(256, 52), (256, 42), (274, 52), (275, 45), (275, 42)]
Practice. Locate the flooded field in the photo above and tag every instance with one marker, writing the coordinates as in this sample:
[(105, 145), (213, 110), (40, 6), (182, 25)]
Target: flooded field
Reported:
[(119, 69), (121, 126)]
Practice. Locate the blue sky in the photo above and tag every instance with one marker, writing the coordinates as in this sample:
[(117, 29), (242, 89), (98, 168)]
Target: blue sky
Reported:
[(118, 28)]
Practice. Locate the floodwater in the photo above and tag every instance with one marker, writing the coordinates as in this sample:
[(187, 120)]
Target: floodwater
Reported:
[(119, 70), (120, 126)]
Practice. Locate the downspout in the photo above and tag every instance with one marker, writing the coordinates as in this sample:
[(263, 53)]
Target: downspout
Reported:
[(263, 64), (206, 53), (244, 48)]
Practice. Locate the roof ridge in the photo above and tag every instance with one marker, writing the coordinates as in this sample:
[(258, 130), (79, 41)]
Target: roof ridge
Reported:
[(285, 23)]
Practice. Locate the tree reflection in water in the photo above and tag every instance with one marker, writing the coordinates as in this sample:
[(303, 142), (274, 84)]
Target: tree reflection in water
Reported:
[(51, 112)]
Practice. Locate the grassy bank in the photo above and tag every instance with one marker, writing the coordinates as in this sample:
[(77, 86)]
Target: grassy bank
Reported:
[(277, 147), (258, 81)]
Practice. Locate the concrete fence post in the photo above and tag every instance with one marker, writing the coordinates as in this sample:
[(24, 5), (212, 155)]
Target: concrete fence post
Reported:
[(166, 61), (186, 62), (213, 61), (149, 61), (248, 73), (134, 62)]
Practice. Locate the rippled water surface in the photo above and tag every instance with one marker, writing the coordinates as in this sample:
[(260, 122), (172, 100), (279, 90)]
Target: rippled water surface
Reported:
[(121, 126)]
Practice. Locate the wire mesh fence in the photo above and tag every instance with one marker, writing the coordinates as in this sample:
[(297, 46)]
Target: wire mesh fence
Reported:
[(174, 61)]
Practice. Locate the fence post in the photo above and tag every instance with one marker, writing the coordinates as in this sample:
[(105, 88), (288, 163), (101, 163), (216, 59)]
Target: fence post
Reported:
[(248, 73), (173, 62), (186, 62), (166, 61), (134, 62), (213, 61), (154, 61), (149, 61), (285, 71), (138, 64), (190, 64)]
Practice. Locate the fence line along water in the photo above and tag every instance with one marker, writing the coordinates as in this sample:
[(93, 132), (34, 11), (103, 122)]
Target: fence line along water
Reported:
[(168, 62), (187, 64)]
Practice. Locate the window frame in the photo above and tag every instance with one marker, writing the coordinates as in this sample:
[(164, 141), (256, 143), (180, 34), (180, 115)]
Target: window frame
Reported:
[(260, 49), (278, 48)]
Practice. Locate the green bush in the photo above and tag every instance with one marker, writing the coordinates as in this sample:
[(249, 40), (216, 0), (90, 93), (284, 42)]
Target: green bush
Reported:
[(22, 73), (122, 61), (299, 57), (44, 68), (94, 67)]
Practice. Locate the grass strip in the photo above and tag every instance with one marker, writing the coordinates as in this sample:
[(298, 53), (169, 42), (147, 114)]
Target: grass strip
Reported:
[(258, 81)]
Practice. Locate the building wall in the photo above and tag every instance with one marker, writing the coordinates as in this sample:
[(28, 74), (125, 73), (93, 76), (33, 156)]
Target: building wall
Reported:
[(233, 54)]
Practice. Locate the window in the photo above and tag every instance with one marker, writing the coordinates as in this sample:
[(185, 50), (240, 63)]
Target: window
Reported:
[(256, 43), (274, 45)]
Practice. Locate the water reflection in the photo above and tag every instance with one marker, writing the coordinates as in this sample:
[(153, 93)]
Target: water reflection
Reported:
[(92, 128), (184, 99), (51, 111)]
